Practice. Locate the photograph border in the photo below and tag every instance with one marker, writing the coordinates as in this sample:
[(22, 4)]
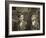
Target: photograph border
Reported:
[(7, 18)]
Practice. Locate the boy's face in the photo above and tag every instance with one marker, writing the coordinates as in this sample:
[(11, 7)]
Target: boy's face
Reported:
[(34, 20), (21, 17)]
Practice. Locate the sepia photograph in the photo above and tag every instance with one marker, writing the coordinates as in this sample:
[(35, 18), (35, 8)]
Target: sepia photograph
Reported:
[(24, 19)]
